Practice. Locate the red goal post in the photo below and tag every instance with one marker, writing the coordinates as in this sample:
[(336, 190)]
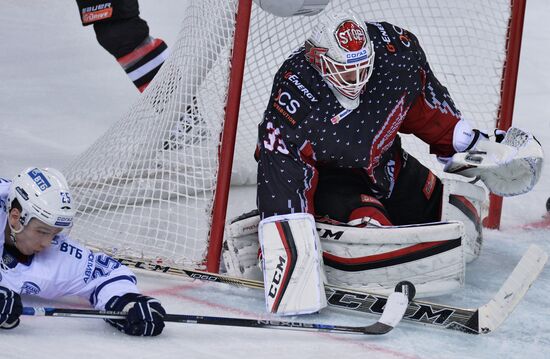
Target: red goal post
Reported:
[(507, 93), (155, 186)]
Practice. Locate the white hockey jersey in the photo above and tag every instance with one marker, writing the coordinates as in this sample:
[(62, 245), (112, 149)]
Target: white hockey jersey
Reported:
[(65, 268)]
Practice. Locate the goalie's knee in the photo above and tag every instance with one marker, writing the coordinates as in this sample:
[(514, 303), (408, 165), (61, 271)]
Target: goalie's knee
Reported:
[(369, 215), (463, 201)]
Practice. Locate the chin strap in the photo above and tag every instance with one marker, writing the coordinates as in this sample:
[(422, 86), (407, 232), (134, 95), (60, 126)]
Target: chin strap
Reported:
[(3, 266), (13, 237), (14, 232)]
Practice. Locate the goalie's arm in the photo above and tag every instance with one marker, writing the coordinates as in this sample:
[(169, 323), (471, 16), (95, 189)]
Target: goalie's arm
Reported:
[(287, 177), (433, 115)]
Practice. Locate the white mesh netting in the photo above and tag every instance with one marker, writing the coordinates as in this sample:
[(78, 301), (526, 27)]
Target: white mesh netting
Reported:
[(145, 188)]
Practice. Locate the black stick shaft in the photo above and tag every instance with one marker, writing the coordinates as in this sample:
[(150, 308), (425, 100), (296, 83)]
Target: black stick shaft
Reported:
[(377, 328)]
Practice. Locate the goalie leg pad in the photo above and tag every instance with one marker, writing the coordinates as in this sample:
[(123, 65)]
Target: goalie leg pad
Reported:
[(432, 273), (292, 264), (375, 258), (241, 246), (463, 201)]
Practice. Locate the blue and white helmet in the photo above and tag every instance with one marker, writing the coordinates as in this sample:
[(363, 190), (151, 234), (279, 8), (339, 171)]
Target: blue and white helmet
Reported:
[(43, 194)]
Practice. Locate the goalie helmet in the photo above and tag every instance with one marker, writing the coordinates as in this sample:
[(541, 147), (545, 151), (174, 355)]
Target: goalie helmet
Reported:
[(341, 51), (43, 194)]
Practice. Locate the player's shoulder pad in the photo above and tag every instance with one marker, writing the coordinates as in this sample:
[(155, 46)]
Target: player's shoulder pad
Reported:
[(64, 244), (292, 98), (395, 39)]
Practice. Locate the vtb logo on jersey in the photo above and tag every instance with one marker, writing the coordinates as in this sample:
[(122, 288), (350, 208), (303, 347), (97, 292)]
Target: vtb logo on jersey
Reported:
[(350, 36)]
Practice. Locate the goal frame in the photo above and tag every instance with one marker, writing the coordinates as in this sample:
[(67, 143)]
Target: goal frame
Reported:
[(229, 135), (507, 94)]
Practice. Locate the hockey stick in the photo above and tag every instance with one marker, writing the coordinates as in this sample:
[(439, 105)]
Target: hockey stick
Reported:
[(479, 320), (391, 316)]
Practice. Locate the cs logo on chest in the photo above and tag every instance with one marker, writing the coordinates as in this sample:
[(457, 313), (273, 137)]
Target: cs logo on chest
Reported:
[(289, 106), (285, 100)]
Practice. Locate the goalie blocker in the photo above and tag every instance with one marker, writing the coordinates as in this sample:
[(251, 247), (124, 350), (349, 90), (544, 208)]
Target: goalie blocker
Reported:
[(432, 256)]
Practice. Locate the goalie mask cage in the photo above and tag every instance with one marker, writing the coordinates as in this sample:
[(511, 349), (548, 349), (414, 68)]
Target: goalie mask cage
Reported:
[(155, 186)]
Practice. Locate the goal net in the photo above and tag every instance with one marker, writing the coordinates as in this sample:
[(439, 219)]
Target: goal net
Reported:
[(148, 187)]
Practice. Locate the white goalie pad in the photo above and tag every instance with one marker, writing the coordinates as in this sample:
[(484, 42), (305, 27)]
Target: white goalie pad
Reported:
[(467, 203), (431, 255), (241, 247), (509, 168), (292, 264)]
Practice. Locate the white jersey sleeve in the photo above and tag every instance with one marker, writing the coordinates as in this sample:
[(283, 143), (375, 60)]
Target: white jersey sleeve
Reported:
[(68, 268), (92, 275), (65, 268)]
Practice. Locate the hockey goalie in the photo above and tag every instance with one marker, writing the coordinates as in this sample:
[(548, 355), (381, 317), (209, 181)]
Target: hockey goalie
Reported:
[(340, 200)]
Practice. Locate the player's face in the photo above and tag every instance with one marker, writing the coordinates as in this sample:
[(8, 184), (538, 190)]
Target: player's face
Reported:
[(35, 237), (346, 73), (348, 79)]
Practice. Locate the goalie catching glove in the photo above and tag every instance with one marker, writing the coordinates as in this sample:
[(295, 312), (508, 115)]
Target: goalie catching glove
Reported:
[(509, 163), (145, 314)]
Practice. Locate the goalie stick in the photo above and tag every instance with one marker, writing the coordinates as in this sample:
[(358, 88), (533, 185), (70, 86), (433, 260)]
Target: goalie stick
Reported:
[(392, 314), (481, 320)]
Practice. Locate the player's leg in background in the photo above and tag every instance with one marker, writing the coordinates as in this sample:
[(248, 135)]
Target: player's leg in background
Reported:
[(343, 195), (125, 35), (420, 196), (368, 261), (416, 196)]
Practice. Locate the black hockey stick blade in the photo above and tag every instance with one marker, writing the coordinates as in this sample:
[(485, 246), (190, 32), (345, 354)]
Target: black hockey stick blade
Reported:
[(433, 314), (481, 320), (392, 314)]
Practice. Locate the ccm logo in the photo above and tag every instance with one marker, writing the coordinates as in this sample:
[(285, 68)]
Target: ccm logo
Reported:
[(277, 276), (285, 99)]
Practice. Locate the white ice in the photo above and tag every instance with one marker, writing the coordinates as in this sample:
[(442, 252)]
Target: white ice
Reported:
[(59, 91)]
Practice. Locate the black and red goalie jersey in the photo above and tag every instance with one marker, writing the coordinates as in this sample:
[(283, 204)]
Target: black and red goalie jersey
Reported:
[(306, 129)]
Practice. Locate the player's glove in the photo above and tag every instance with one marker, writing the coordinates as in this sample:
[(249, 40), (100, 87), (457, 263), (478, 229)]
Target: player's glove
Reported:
[(508, 166), (145, 314), (494, 135), (10, 308)]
